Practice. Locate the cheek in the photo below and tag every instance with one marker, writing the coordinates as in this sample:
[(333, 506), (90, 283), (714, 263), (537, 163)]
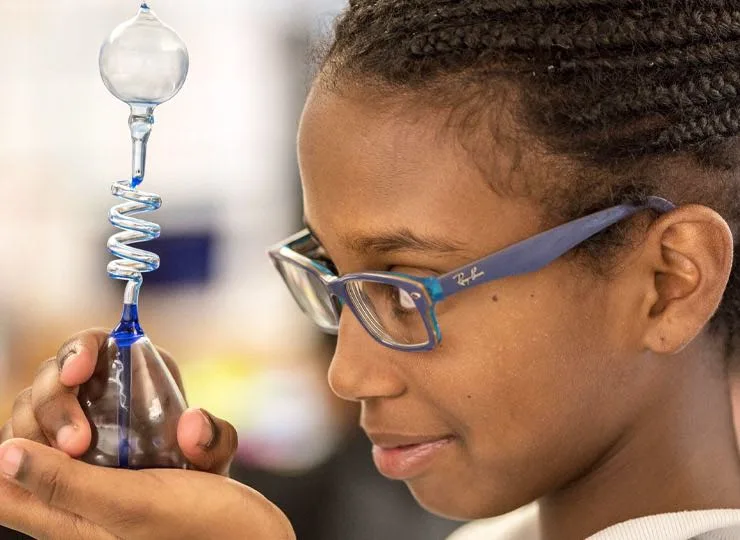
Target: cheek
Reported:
[(525, 377)]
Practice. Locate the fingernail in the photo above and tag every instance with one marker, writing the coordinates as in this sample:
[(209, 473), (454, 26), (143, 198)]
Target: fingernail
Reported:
[(67, 357), (11, 459), (207, 433), (69, 361), (66, 436)]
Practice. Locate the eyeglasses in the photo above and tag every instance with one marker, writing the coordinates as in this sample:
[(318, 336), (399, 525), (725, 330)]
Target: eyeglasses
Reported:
[(398, 310)]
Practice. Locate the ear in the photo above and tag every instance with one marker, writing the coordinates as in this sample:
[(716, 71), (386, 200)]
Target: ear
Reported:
[(689, 255)]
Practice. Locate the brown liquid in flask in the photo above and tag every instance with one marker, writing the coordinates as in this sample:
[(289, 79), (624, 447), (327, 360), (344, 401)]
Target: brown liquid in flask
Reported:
[(133, 403)]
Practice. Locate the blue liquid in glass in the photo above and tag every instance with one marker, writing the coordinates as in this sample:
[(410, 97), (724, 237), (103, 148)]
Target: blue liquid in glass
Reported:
[(125, 335), (132, 402)]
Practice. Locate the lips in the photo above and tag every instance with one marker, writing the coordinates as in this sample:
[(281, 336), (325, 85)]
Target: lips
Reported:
[(403, 457)]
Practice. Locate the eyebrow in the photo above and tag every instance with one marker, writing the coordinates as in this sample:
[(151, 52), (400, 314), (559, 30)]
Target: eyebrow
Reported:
[(389, 242)]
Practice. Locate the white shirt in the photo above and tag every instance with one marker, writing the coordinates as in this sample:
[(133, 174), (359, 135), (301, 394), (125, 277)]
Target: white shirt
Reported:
[(523, 524)]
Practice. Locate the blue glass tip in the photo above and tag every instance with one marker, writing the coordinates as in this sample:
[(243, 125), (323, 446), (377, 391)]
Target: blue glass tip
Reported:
[(130, 313), (136, 181), (129, 329), (144, 5)]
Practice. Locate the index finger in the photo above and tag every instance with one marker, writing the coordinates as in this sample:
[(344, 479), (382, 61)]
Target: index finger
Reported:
[(54, 402), (78, 356)]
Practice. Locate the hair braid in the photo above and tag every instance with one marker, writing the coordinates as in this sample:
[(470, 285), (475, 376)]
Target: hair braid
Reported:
[(634, 30), (685, 94), (700, 129), (681, 57)]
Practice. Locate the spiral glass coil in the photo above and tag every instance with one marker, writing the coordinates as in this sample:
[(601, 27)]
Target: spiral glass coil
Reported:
[(132, 262), (133, 402)]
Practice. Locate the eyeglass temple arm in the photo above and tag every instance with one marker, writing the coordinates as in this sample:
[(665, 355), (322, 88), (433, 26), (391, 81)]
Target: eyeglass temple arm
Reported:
[(540, 250)]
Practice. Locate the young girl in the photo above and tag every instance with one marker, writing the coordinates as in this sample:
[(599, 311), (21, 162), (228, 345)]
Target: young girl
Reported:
[(520, 222)]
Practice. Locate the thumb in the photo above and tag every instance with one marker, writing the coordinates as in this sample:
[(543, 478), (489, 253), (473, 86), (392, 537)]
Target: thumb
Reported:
[(207, 442)]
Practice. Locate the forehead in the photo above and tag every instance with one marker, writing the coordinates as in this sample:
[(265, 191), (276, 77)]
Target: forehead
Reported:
[(339, 133), (369, 167)]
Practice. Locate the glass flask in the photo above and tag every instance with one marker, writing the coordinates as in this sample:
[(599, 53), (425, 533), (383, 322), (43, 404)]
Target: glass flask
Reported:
[(132, 401)]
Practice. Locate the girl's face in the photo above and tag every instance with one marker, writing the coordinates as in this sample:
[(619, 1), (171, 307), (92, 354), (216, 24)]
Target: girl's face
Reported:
[(533, 382)]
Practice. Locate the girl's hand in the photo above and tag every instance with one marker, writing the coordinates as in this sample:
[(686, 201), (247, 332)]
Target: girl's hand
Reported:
[(48, 412), (46, 494)]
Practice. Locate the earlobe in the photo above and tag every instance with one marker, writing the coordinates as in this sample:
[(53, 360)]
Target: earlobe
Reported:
[(690, 251)]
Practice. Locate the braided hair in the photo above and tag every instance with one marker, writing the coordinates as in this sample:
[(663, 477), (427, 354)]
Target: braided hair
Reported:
[(623, 87)]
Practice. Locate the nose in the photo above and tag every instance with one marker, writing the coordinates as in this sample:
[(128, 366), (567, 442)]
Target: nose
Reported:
[(362, 368)]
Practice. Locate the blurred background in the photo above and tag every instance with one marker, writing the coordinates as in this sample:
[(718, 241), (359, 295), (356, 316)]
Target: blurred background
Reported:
[(222, 156)]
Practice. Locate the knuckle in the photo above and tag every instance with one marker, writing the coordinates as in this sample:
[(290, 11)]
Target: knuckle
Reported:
[(23, 421), (22, 400), (41, 400), (45, 366), (29, 431), (22, 410), (44, 403), (52, 484), (43, 396), (49, 400)]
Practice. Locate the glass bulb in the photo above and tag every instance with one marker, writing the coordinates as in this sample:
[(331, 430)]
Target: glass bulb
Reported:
[(144, 61), (133, 404)]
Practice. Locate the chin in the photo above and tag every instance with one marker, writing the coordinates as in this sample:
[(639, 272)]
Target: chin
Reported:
[(458, 501)]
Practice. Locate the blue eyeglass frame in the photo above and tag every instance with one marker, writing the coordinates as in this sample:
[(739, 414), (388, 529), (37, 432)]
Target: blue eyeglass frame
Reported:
[(523, 257)]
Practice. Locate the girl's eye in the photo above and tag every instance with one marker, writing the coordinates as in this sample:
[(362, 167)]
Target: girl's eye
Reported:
[(405, 300), (401, 302)]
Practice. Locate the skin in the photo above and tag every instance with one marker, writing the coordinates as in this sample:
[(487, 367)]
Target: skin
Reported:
[(47, 494), (605, 399)]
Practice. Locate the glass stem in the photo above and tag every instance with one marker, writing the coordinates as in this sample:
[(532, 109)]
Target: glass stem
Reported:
[(140, 122), (131, 294)]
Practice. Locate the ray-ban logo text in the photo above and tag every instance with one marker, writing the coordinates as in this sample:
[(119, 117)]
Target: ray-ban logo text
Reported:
[(465, 279)]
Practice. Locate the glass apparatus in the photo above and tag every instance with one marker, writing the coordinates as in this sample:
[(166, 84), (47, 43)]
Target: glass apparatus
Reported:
[(133, 402)]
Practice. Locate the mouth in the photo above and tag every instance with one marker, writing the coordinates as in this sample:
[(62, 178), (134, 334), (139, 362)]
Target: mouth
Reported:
[(402, 457)]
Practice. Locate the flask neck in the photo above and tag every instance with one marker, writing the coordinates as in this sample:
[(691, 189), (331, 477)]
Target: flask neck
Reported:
[(140, 123), (131, 294), (129, 328)]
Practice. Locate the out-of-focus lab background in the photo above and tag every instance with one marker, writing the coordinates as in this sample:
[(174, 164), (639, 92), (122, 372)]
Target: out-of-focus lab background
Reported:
[(222, 156)]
